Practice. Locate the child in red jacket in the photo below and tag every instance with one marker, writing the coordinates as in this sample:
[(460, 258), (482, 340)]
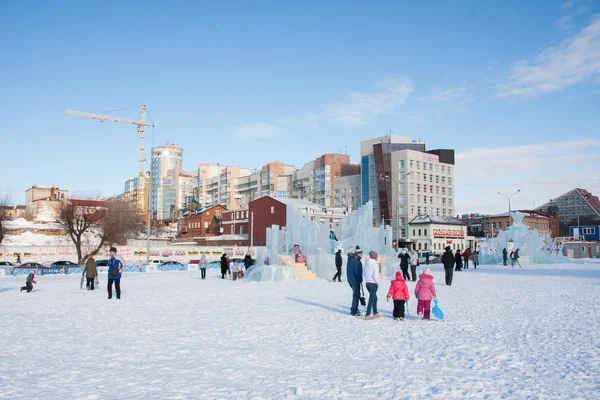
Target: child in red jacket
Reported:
[(425, 291), (399, 293)]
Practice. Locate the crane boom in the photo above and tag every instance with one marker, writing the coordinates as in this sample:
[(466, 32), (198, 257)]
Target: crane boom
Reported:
[(110, 118), (104, 118)]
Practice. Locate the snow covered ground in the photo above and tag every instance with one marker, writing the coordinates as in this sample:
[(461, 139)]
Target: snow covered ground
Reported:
[(508, 333)]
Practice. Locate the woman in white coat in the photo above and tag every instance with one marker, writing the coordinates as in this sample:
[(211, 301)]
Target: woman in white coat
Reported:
[(202, 265), (414, 261)]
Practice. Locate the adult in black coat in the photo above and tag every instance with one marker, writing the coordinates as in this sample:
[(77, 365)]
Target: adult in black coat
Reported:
[(458, 261), (448, 261), (404, 263), (223, 265), (338, 265), (247, 261), (504, 256)]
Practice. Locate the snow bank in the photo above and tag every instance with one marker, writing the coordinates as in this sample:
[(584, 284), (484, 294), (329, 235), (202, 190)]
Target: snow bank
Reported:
[(508, 333)]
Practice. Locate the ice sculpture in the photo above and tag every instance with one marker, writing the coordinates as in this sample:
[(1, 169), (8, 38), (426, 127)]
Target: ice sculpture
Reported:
[(316, 246), (533, 247)]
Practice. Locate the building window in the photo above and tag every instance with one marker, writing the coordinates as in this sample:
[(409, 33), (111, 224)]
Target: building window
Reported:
[(431, 167), (425, 177), (411, 163), (449, 170), (402, 232), (272, 209), (437, 212), (419, 210), (443, 180), (443, 169), (425, 188), (401, 164), (237, 215), (424, 246), (425, 199), (418, 164), (419, 232), (414, 234), (241, 229), (437, 179), (589, 231), (206, 225), (449, 181)]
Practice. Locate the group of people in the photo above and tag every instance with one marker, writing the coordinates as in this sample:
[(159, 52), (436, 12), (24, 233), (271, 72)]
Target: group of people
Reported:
[(454, 262), (398, 292), (514, 257), (116, 266), (411, 259), (226, 269)]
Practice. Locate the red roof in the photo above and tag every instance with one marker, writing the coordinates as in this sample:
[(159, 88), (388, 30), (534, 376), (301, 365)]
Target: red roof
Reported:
[(593, 200), (87, 203)]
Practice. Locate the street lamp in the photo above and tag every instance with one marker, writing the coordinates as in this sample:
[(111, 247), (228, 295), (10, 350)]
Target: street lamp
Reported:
[(508, 198), (148, 216)]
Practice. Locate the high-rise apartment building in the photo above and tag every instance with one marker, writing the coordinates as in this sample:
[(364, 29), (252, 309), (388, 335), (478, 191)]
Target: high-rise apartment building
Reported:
[(404, 180), (165, 166), (347, 192), (136, 191)]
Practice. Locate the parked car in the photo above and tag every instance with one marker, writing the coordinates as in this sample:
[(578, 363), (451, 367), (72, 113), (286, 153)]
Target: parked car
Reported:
[(101, 263), (171, 265), (64, 264), (6, 264), (31, 265), (432, 257)]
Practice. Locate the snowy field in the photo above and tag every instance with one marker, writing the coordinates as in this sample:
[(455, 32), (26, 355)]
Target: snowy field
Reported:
[(530, 333)]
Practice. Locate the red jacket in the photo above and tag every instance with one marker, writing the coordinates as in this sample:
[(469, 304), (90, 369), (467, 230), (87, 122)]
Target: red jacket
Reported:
[(398, 289)]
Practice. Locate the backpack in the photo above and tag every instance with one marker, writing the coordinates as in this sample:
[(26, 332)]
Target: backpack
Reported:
[(114, 271)]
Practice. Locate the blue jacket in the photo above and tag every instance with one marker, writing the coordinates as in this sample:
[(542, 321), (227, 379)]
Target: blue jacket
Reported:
[(114, 263), (354, 270)]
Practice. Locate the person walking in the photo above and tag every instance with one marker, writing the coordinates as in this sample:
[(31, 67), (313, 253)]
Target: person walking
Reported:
[(427, 257), (90, 271), (504, 256), (466, 255), (475, 259), (296, 250), (424, 292), (223, 265), (371, 277), (354, 276), (516, 258), (414, 261), (202, 264), (399, 294), (338, 266), (448, 261), (247, 261), (458, 261), (332, 240), (404, 263), (29, 282), (116, 266)]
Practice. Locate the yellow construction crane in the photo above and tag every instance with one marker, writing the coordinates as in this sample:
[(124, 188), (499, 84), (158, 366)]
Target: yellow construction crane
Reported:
[(140, 128)]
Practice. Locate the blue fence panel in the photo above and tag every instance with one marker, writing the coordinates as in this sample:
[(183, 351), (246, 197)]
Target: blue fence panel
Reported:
[(173, 267)]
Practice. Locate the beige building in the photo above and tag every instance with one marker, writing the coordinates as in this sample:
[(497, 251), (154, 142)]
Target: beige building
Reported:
[(45, 203), (136, 191), (435, 233)]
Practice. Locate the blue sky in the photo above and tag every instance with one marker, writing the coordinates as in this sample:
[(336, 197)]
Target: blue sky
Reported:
[(513, 86)]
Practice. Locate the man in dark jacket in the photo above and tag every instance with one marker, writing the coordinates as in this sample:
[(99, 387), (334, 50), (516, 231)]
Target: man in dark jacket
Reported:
[(338, 265), (504, 255), (116, 265), (354, 274), (404, 262), (224, 265), (458, 261), (448, 261)]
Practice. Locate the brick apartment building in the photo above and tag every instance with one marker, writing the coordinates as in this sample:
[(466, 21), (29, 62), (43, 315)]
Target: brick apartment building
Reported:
[(202, 221)]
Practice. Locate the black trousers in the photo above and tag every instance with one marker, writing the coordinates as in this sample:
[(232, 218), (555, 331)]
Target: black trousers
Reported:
[(398, 309), (117, 287), (405, 274), (203, 272), (467, 263), (338, 275), (89, 283), (413, 271), (449, 274), (458, 267), (475, 264), (28, 286)]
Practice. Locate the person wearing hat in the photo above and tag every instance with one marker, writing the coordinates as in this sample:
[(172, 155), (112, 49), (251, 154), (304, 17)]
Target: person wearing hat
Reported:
[(371, 277), (116, 265), (90, 272), (354, 275), (448, 261), (404, 262)]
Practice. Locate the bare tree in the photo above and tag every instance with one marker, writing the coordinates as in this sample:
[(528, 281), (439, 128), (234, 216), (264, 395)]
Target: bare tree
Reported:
[(92, 228), (80, 223), (5, 202)]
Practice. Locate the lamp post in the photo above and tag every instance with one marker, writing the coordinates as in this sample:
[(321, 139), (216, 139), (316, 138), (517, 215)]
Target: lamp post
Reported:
[(508, 198), (148, 217)]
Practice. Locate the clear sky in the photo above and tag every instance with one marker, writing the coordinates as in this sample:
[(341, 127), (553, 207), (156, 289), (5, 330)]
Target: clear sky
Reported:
[(513, 86)]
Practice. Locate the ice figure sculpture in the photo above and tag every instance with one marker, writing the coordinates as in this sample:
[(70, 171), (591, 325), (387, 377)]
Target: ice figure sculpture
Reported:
[(315, 244), (533, 247)]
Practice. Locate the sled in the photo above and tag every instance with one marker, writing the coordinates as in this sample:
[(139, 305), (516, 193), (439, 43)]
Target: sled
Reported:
[(82, 282), (436, 311)]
